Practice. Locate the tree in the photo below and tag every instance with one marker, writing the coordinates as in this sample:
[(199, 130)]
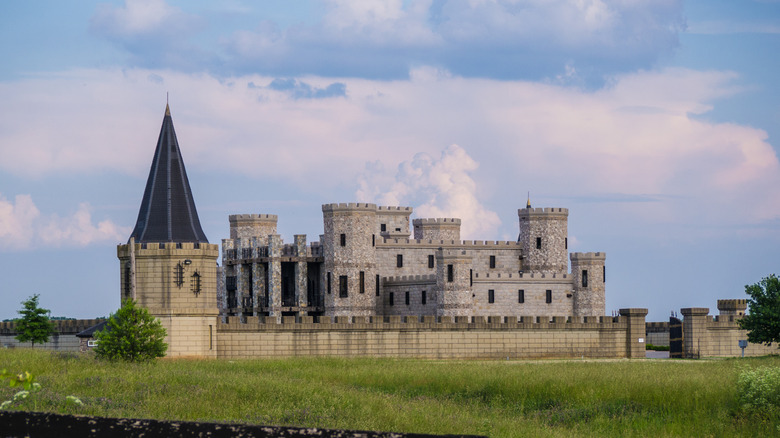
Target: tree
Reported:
[(131, 334), (763, 319), (34, 325)]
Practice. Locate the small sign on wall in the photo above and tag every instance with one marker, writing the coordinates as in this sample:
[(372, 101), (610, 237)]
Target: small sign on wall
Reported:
[(641, 340)]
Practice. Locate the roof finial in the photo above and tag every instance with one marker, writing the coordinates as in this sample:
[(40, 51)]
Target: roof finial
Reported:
[(528, 204), (167, 109)]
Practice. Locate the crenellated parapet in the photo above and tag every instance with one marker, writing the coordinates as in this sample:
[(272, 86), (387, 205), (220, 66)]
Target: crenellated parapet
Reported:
[(546, 212), (732, 307), (587, 256), (350, 206), (409, 279), (437, 228), (248, 226)]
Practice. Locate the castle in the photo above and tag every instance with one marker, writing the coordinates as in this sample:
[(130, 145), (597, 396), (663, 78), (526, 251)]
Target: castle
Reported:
[(364, 269)]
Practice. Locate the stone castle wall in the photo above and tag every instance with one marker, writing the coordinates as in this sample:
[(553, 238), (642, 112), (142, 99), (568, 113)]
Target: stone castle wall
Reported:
[(544, 236), (705, 335)]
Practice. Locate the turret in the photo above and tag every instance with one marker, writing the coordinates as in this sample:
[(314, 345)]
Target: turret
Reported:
[(589, 276), (393, 222), (543, 234), (734, 307), (246, 226), (437, 229), (349, 251), (453, 283)]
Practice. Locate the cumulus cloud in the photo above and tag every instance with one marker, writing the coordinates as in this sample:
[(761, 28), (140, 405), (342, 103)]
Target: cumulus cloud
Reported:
[(23, 227), (436, 188)]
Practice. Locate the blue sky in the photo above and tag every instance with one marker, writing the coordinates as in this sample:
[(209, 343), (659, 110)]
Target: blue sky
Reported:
[(656, 123)]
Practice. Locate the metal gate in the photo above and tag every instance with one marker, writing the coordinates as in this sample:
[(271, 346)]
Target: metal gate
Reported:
[(675, 338)]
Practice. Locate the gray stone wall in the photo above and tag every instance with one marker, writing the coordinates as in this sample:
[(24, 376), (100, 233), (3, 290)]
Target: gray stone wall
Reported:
[(506, 295), (588, 300), (437, 229), (549, 225), (246, 226), (396, 221), (415, 286)]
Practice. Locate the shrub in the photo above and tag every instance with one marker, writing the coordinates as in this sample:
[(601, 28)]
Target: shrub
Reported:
[(132, 335), (759, 390)]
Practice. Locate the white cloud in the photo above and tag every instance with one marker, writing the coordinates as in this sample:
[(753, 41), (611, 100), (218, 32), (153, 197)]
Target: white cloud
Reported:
[(139, 18), (435, 188), (22, 227)]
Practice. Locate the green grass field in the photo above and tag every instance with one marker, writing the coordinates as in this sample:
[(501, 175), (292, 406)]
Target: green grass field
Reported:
[(495, 398)]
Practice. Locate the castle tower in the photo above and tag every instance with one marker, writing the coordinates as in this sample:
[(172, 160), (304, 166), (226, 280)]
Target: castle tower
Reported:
[(453, 283), (543, 234), (168, 266), (589, 277), (349, 251), (437, 229), (732, 308)]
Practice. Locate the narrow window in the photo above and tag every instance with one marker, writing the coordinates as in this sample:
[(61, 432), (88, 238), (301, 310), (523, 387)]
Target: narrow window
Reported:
[(362, 282), (538, 243), (520, 296), (584, 278), (491, 296), (342, 286), (450, 273), (373, 240), (492, 262), (566, 243), (377, 285), (343, 239), (604, 272), (407, 298), (471, 277), (549, 296), (399, 260), (328, 283), (383, 228), (424, 298), (391, 298), (430, 262)]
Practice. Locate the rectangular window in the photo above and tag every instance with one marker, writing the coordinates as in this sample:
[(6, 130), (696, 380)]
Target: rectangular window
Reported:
[(430, 262), (343, 239), (424, 298), (383, 228), (549, 296), (492, 262), (584, 278), (450, 274), (390, 297), (362, 282), (538, 243), (491, 296), (373, 240), (566, 243), (604, 273), (471, 277), (520, 296), (399, 260), (407, 298), (377, 285), (342, 286), (328, 283)]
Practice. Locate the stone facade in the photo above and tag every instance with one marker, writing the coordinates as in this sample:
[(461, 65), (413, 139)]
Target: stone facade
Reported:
[(365, 264)]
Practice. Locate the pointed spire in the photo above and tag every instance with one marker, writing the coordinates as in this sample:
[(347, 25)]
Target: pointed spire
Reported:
[(167, 212), (528, 204)]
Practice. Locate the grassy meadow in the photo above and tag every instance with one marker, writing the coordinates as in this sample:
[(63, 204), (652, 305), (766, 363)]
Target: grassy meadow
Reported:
[(495, 398)]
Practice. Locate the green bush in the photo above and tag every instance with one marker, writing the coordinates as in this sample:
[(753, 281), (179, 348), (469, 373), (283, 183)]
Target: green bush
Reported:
[(759, 390), (656, 347), (131, 335)]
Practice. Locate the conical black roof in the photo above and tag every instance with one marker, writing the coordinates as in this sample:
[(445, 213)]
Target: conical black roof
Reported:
[(168, 211)]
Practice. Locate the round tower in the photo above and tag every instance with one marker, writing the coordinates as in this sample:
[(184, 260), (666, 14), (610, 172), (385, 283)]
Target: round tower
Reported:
[(453, 283), (437, 229), (246, 226), (543, 234), (589, 277), (349, 254)]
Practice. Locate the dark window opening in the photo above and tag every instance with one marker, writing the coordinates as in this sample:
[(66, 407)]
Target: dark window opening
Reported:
[(383, 227), (549, 296), (362, 282), (342, 286), (521, 296), (398, 229), (373, 240), (424, 298), (328, 283), (604, 273), (343, 239), (492, 262), (406, 299), (450, 274), (471, 277), (399, 260), (566, 243), (390, 297), (584, 278), (430, 262), (491, 296), (377, 285), (538, 243)]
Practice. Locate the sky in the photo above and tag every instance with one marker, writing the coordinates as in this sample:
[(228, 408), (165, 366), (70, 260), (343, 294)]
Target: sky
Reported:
[(656, 123)]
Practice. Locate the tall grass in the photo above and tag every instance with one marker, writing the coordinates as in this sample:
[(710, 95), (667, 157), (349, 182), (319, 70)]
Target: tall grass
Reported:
[(496, 398)]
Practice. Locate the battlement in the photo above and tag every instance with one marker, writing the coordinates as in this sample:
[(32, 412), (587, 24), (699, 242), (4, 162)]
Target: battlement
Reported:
[(393, 209), (582, 256), (168, 248), (734, 304), (547, 211), (436, 221), (512, 276), (407, 279), (469, 244), (235, 218), (351, 206)]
